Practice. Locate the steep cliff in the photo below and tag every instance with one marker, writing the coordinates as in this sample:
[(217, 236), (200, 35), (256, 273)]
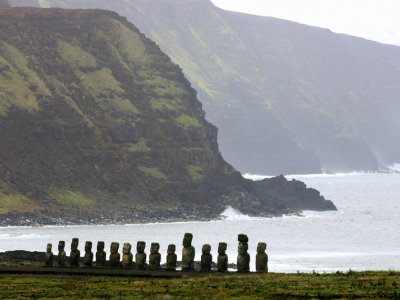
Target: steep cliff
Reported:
[(287, 98), (97, 124), (4, 3)]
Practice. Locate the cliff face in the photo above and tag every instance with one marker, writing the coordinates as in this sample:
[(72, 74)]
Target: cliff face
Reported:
[(4, 3), (298, 99), (97, 123)]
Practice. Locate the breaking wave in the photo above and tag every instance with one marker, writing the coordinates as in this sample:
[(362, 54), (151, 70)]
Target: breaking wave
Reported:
[(395, 167), (231, 213)]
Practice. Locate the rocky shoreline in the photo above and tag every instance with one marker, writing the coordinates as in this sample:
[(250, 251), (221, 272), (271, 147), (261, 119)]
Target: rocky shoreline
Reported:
[(29, 219)]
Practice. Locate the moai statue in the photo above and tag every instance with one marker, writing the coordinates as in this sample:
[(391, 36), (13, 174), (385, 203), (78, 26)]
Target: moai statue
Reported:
[(222, 262), (101, 255), (62, 256), (115, 257), (127, 256), (261, 258), (154, 257), (188, 253), (49, 256), (171, 258), (75, 254), (243, 259), (88, 258), (140, 257), (206, 259)]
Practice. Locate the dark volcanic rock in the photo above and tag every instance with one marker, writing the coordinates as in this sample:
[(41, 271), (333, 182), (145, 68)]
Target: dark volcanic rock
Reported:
[(97, 125)]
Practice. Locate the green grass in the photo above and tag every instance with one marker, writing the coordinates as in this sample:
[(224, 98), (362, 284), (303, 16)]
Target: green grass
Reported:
[(153, 172), (165, 104), (75, 56), (187, 121), (139, 146), (73, 198), (100, 82), (195, 171), (376, 285), (19, 85), (130, 45), (15, 203)]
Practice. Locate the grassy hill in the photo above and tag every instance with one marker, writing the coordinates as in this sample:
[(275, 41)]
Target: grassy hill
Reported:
[(97, 124)]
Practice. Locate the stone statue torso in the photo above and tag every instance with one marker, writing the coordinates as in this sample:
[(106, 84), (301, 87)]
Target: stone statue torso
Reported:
[(188, 254)]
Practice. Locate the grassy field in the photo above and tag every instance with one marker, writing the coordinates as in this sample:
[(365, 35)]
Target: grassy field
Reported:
[(348, 285)]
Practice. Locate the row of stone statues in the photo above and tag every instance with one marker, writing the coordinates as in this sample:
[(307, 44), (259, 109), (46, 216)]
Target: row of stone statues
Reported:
[(188, 255)]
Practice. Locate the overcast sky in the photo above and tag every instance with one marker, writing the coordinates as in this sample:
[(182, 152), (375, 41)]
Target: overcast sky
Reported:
[(377, 20)]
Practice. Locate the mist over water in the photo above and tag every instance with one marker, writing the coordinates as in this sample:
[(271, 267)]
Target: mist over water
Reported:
[(364, 234)]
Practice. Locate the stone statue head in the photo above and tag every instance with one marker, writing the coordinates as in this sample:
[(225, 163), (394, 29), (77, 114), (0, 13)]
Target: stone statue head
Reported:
[(222, 248), (88, 246), (187, 240), (261, 247), (154, 248), (171, 249), (243, 238), (114, 247), (74, 244), (48, 248), (206, 249), (61, 246), (140, 246), (243, 247), (127, 248), (100, 246)]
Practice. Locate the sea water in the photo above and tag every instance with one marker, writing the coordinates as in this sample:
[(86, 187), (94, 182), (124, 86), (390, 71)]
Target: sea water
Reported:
[(364, 234)]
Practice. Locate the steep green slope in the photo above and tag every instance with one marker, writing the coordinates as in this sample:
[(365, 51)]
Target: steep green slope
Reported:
[(97, 123), (287, 98)]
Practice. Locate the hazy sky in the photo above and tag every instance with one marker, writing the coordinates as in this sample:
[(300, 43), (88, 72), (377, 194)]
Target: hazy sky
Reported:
[(377, 20)]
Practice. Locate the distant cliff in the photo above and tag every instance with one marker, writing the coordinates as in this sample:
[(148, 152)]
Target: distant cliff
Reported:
[(287, 98), (97, 124), (4, 3)]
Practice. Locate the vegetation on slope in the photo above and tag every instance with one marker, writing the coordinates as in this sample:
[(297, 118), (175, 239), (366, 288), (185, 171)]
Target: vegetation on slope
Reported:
[(97, 124), (299, 99)]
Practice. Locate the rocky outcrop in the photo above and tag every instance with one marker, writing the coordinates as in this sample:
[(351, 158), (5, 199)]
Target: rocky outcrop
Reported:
[(98, 125)]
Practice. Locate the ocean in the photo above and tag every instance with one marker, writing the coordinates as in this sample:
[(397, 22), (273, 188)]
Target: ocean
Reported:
[(364, 234)]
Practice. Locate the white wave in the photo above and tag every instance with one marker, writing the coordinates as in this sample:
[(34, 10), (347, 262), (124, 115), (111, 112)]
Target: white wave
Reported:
[(395, 167), (231, 213), (320, 214), (256, 177)]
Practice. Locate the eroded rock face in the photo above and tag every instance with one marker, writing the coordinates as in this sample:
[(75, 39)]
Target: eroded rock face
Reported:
[(188, 253)]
